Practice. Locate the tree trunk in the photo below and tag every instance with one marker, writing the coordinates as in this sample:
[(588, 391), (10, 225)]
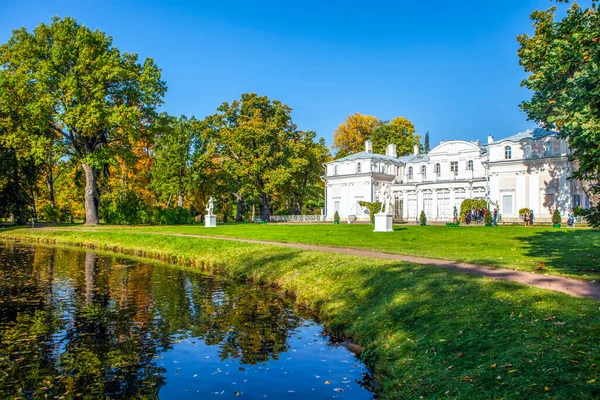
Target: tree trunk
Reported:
[(239, 208), (91, 195), (253, 211), (180, 200), (90, 276), (265, 211), (50, 183)]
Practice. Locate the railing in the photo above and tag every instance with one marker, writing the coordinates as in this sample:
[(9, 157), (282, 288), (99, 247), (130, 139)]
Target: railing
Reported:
[(298, 218)]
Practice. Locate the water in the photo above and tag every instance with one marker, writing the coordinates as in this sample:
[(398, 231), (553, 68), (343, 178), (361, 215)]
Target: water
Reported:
[(75, 323)]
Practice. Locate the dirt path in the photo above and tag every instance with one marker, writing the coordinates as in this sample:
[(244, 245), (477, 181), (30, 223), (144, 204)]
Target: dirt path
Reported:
[(574, 287)]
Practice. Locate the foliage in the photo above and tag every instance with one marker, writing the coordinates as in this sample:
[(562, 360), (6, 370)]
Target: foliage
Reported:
[(577, 211), (524, 210), (18, 177), (350, 136), (367, 300), (373, 207), (64, 84), (426, 147), (399, 131), (563, 59), (423, 218), (49, 213), (556, 218), (336, 217), (261, 157), (591, 217), (488, 217), (470, 204)]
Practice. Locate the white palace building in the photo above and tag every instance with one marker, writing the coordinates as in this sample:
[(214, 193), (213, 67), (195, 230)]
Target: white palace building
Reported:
[(529, 169)]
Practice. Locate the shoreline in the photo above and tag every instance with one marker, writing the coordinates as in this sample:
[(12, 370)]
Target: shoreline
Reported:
[(424, 329)]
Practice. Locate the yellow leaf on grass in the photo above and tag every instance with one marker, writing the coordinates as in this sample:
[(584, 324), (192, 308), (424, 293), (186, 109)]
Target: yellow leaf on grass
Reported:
[(546, 388), (591, 381)]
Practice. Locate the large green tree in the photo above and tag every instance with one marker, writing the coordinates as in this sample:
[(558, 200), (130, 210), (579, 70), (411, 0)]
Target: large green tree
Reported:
[(178, 145), (562, 58), (65, 83), (399, 131)]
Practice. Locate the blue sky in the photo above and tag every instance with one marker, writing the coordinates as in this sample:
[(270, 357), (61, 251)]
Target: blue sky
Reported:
[(450, 67)]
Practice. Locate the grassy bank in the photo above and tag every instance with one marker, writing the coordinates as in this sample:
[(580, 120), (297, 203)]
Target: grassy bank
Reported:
[(428, 332), (566, 252)]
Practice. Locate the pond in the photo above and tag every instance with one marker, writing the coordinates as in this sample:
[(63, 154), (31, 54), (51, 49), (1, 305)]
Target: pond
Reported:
[(76, 323)]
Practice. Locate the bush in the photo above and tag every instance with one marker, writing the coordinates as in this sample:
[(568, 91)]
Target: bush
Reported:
[(522, 211), (336, 217), (373, 208), (556, 218), (488, 217), (468, 205), (423, 218), (578, 211), (49, 213)]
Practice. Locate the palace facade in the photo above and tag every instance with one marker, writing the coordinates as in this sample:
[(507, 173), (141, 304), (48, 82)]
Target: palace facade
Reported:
[(530, 169)]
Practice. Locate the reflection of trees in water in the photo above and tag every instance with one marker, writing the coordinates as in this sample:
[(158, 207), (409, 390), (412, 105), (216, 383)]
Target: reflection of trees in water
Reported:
[(75, 322)]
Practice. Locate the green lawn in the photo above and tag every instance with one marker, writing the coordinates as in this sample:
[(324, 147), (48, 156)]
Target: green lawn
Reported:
[(566, 252), (428, 332)]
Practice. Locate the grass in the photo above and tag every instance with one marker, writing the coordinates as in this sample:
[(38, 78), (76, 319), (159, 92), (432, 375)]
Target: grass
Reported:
[(565, 252), (428, 332)]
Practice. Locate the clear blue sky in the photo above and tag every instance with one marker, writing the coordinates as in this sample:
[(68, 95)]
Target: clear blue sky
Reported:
[(450, 67)]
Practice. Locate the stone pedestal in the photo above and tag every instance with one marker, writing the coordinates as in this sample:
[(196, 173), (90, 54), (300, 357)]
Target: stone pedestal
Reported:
[(210, 221), (383, 223)]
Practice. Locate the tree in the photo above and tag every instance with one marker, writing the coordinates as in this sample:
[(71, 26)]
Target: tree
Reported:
[(177, 140), (251, 141), (563, 59), (426, 147), (399, 131), (18, 177), (64, 83), (351, 135)]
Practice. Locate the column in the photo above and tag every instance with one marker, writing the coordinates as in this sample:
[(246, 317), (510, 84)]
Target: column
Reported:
[(434, 210)]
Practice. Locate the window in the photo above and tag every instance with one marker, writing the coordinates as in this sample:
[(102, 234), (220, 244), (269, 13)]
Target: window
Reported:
[(358, 167), (507, 153), (507, 204), (410, 172), (335, 170), (424, 171), (438, 169), (454, 167), (548, 149), (470, 165)]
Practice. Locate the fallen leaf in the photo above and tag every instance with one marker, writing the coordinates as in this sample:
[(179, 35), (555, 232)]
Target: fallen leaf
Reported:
[(546, 388), (493, 365)]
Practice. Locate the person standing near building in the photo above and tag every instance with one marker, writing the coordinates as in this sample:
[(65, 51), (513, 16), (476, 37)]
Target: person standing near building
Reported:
[(455, 213), (495, 216), (530, 217)]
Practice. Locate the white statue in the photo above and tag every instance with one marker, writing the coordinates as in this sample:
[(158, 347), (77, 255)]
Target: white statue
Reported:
[(210, 206), (384, 196)]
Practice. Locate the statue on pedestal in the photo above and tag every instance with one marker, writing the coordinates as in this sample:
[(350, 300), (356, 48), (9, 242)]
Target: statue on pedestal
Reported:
[(210, 206), (384, 196)]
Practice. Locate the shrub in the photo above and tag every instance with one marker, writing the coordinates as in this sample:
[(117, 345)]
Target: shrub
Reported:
[(423, 218), (488, 217), (336, 217), (522, 211), (592, 216), (49, 213), (577, 211), (556, 218), (468, 205), (373, 208)]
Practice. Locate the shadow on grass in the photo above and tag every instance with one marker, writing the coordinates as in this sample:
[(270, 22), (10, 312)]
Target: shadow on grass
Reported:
[(574, 252)]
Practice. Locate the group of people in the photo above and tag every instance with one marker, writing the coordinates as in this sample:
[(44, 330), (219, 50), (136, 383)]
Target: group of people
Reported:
[(475, 215), (528, 218)]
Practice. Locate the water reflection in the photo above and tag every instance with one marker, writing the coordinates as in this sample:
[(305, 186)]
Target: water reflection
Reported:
[(77, 323)]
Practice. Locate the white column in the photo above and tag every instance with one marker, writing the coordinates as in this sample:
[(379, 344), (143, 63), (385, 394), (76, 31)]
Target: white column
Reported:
[(405, 204), (534, 193), (520, 193), (419, 201), (434, 210)]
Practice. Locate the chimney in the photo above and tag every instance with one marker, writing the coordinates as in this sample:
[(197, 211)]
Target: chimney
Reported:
[(390, 150), (369, 146), (416, 151), (490, 139)]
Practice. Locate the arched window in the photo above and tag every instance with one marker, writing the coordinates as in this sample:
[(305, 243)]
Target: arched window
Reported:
[(424, 171), (335, 170), (438, 169), (410, 172), (507, 153), (548, 149), (358, 167), (470, 165)]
